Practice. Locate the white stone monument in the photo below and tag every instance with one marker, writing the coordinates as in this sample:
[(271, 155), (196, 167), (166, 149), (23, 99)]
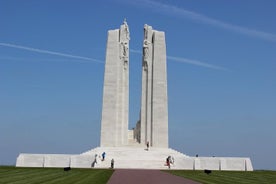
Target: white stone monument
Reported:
[(117, 141)]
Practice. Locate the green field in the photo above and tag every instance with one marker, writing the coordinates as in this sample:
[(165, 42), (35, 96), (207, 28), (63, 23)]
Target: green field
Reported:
[(9, 174), (229, 177), (53, 175)]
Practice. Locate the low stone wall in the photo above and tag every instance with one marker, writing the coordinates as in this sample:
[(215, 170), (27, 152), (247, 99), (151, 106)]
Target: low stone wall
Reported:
[(57, 160), (236, 164), (210, 163), (213, 163), (134, 158), (30, 160), (54, 160), (81, 161)]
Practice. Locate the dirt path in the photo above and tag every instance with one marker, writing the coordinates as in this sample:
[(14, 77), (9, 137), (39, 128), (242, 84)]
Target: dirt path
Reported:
[(134, 176)]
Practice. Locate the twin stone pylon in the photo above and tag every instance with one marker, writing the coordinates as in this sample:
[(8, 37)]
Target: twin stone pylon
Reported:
[(114, 125), (152, 128)]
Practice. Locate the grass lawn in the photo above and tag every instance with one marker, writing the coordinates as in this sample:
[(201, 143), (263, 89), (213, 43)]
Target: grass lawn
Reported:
[(17, 175), (229, 177), (53, 175)]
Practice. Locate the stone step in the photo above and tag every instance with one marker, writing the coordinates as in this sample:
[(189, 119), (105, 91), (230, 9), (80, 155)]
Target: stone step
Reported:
[(133, 157)]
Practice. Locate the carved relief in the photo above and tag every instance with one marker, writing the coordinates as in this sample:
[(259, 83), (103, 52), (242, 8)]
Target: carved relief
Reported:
[(126, 30), (145, 65), (146, 49), (146, 45), (124, 40)]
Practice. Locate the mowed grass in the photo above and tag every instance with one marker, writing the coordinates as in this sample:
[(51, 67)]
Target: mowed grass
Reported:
[(229, 177), (18, 175)]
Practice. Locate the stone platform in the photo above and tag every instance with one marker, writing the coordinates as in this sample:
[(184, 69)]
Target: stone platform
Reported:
[(134, 158)]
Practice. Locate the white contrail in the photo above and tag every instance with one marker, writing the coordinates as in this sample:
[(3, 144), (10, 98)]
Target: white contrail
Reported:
[(64, 59), (183, 13), (195, 62), (49, 52), (188, 61), (178, 59)]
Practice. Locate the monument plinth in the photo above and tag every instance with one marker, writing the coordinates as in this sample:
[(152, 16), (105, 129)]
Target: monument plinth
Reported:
[(127, 147)]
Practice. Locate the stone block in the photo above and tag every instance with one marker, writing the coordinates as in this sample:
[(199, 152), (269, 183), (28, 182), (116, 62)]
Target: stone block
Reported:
[(30, 160), (210, 163), (233, 164), (81, 161), (249, 166), (184, 163), (57, 160)]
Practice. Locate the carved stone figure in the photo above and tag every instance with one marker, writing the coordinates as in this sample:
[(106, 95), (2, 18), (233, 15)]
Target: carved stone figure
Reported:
[(126, 30), (145, 65), (146, 45), (124, 40), (146, 49), (146, 27)]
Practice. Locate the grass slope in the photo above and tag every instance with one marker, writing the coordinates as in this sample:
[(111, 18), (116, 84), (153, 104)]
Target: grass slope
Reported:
[(53, 175), (229, 177)]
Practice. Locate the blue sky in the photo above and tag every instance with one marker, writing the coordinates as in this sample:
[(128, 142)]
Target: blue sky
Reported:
[(221, 74)]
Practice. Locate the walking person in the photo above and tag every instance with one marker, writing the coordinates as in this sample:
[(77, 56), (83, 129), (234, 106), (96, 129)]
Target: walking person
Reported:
[(103, 156), (112, 163), (95, 161), (168, 162)]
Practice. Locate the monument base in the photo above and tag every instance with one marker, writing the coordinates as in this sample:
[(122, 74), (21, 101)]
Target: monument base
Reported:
[(134, 158)]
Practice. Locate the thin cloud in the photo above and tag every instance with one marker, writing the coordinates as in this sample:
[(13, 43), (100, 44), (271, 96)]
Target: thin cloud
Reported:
[(49, 52), (183, 13), (73, 60), (187, 61), (195, 62), (172, 58)]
